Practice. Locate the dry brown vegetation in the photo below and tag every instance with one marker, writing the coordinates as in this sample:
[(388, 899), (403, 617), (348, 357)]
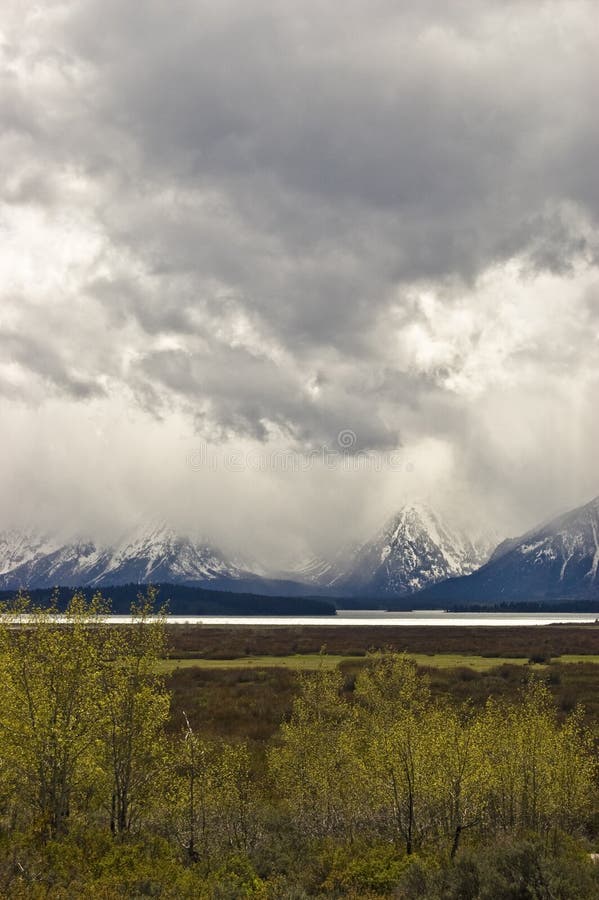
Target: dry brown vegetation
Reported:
[(250, 704), (228, 642), (240, 703)]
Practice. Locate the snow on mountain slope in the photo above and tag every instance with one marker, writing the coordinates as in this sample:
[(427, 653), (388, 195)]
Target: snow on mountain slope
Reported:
[(19, 548), (562, 552), (72, 564), (158, 553), (154, 553), (415, 548), (558, 559), (571, 540), (322, 572)]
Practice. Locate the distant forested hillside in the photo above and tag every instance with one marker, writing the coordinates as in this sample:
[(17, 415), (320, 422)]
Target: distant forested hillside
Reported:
[(183, 601)]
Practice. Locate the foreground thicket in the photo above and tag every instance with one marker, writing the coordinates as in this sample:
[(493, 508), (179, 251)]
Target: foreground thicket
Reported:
[(380, 791), (418, 772)]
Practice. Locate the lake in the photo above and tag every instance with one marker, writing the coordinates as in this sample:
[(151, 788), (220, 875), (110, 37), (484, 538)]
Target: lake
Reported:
[(376, 617)]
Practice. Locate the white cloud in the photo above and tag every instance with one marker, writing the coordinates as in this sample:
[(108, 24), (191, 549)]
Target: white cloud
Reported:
[(260, 225)]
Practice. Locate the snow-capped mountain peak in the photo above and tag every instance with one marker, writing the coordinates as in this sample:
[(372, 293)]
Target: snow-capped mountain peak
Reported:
[(557, 560), (155, 553), (416, 547)]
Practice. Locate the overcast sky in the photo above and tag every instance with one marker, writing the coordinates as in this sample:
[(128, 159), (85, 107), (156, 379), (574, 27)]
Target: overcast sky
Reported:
[(239, 227)]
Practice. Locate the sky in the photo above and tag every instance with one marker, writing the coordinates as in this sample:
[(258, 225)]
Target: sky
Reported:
[(269, 270)]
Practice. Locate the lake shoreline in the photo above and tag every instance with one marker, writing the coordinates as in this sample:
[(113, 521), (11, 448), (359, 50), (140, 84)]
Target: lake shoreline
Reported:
[(370, 619)]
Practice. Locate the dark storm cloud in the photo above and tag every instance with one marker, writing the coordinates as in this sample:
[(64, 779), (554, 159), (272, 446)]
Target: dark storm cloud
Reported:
[(459, 125), (39, 358), (296, 219), (250, 396)]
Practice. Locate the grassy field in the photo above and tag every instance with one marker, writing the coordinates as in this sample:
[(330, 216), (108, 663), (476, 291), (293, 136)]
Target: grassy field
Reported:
[(297, 662), (312, 661), (239, 683)]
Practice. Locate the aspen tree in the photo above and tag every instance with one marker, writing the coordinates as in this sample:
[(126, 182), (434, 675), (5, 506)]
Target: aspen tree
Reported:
[(50, 707), (135, 708), (397, 740), (317, 769)]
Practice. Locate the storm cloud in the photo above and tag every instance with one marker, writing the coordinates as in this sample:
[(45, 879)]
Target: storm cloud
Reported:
[(259, 225)]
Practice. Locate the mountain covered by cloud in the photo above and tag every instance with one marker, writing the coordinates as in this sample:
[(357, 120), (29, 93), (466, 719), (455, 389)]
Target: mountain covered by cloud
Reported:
[(416, 548), (151, 554)]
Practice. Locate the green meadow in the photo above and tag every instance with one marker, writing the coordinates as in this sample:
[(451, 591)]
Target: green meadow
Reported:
[(315, 661)]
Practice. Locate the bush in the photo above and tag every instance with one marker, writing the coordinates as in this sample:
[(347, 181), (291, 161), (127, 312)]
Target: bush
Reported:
[(511, 870), (364, 871), (539, 658)]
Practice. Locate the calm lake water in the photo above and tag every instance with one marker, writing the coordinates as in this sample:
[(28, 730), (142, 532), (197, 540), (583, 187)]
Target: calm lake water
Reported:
[(374, 617)]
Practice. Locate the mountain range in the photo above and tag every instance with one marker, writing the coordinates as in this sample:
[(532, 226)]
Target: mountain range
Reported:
[(416, 558), (413, 549), (150, 554), (557, 560)]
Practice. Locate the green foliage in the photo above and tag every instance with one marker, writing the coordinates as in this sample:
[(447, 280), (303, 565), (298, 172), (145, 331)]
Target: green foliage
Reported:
[(422, 772), (538, 775), (213, 799), (82, 714), (134, 710), (315, 769), (49, 708), (506, 870), (375, 785), (362, 870)]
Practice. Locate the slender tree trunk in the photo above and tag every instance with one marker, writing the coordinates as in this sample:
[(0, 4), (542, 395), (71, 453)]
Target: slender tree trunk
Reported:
[(456, 841)]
